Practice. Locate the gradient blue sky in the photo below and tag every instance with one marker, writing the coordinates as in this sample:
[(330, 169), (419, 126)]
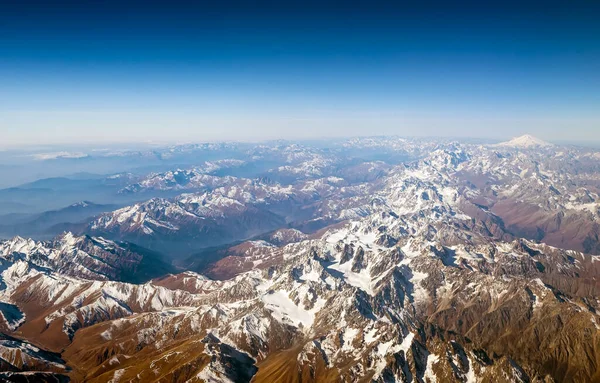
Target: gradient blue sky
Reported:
[(109, 71)]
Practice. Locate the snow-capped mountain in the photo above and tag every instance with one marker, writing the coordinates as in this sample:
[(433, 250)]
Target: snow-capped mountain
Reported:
[(86, 257), (197, 178), (551, 195), (53, 221), (525, 141)]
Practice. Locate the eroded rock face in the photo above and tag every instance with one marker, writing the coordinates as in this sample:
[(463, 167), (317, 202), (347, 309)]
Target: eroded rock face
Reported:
[(426, 284)]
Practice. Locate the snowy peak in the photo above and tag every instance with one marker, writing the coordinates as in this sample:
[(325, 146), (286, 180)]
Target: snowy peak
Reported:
[(525, 141), (82, 204)]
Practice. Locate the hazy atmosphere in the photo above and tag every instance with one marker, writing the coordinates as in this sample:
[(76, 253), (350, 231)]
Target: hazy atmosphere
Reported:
[(89, 72)]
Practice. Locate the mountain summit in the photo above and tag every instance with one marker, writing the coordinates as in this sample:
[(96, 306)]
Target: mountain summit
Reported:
[(525, 141)]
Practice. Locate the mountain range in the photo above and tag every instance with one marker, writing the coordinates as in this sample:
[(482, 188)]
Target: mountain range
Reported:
[(377, 260)]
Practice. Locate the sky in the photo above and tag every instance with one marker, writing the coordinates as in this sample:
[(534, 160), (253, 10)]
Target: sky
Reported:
[(108, 71)]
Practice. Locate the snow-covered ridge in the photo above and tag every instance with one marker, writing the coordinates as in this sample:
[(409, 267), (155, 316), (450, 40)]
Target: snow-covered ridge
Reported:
[(93, 258)]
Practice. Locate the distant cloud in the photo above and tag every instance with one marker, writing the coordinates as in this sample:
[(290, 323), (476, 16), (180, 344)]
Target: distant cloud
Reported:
[(57, 155)]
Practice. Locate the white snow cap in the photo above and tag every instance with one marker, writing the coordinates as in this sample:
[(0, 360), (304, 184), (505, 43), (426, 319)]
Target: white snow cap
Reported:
[(525, 141)]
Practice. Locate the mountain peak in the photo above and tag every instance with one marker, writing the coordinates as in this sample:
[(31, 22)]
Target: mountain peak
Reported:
[(525, 141), (82, 204)]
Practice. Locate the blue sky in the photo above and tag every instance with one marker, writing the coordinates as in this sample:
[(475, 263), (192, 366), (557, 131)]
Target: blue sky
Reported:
[(132, 71)]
